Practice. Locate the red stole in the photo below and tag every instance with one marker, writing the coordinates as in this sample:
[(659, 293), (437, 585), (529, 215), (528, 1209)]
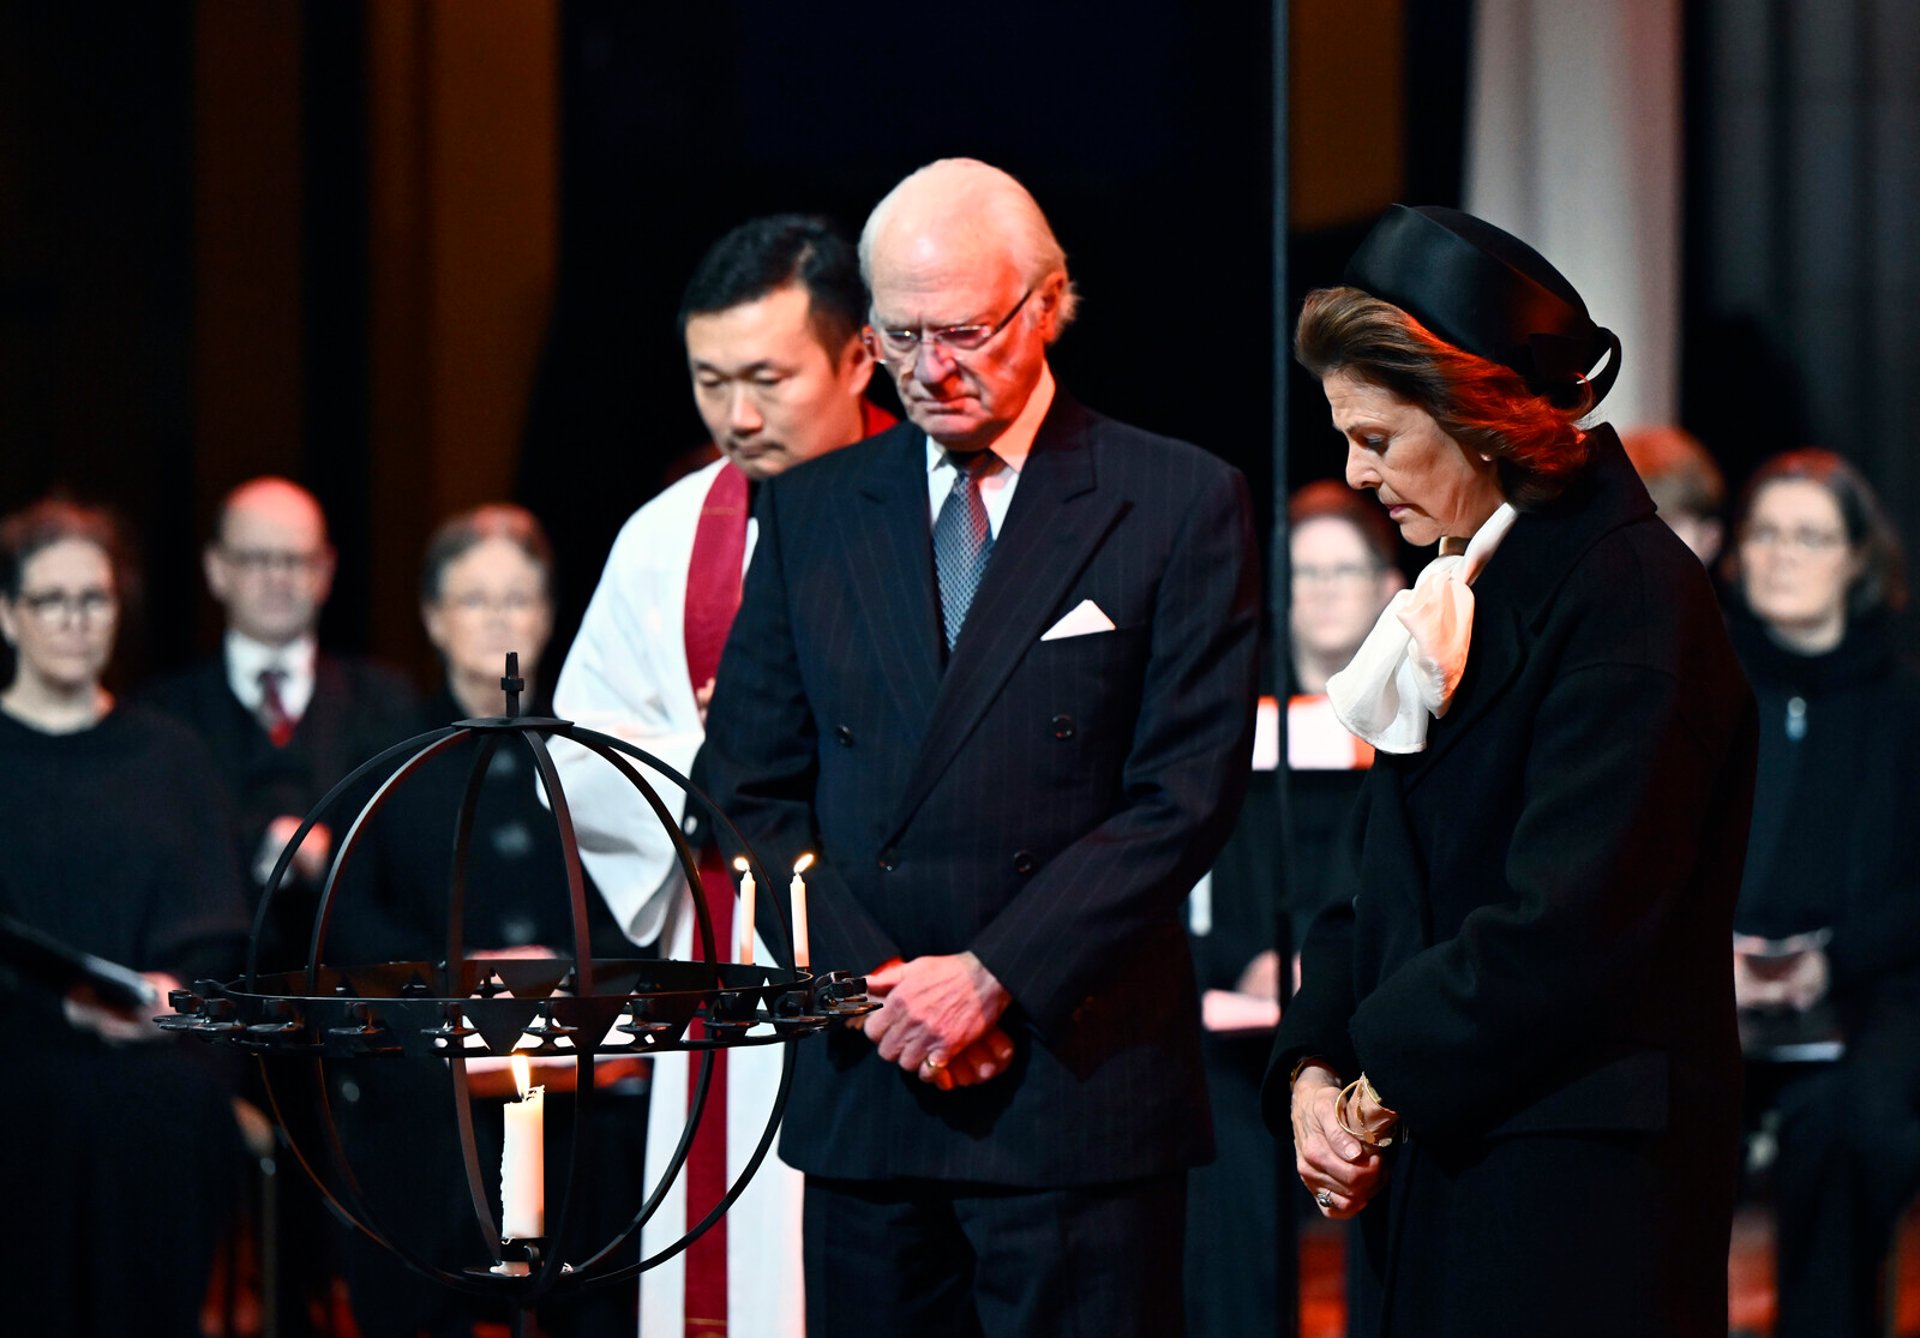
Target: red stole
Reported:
[(713, 597)]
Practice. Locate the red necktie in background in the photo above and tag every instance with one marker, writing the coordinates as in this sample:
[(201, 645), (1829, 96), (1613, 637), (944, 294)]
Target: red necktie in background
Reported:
[(713, 598), (273, 711)]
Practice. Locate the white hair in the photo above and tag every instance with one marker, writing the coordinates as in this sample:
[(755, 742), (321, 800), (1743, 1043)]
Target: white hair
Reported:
[(999, 202)]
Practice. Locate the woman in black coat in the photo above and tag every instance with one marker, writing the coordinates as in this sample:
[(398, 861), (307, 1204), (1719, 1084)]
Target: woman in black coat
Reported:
[(120, 1154), (1828, 943), (1513, 1055)]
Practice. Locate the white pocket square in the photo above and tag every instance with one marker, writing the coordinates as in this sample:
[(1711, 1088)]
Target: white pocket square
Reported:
[(1083, 619)]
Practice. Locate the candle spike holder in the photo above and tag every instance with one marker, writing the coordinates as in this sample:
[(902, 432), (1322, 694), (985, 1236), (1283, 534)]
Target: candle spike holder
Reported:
[(462, 1008)]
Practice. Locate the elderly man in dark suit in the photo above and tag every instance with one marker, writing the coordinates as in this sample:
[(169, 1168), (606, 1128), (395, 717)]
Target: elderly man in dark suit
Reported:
[(995, 669)]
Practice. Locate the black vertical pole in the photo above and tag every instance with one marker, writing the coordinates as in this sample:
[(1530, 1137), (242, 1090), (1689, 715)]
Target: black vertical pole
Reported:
[(1286, 1244)]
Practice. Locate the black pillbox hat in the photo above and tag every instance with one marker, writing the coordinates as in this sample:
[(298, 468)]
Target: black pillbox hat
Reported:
[(1488, 292)]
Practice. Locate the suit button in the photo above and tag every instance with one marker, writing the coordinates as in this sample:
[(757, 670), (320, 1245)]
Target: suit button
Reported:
[(843, 736), (889, 860), (1023, 861), (1062, 727)]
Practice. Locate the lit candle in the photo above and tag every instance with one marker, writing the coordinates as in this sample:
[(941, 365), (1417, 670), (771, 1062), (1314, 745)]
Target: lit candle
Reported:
[(745, 914), (802, 955), (523, 1164)]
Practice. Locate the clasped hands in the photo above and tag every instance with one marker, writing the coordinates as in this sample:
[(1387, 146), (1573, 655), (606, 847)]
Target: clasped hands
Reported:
[(940, 1020), (1341, 1172)]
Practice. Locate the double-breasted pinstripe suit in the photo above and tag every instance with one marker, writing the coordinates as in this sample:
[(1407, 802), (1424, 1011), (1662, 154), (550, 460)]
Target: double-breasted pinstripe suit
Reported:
[(1046, 804)]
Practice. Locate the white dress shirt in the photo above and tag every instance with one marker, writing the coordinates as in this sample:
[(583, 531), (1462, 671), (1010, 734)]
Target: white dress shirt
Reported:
[(247, 658), (1012, 446)]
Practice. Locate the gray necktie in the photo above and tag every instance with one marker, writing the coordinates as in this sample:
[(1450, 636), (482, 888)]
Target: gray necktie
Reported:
[(962, 539)]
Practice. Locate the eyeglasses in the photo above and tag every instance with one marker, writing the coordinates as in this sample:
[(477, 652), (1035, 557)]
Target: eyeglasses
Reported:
[(261, 560), (57, 608), (1804, 539), (1344, 573), (473, 603), (896, 342)]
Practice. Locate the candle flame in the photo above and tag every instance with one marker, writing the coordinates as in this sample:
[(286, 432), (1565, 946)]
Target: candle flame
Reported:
[(522, 1074), (740, 863), (804, 863)]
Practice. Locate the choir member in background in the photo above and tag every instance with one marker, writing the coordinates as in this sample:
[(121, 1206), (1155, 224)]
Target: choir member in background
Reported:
[(1342, 553), (1827, 950), (1513, 1053), (1685, 484), (485, 589), (120, 1151), (284, 720), (771, 321)]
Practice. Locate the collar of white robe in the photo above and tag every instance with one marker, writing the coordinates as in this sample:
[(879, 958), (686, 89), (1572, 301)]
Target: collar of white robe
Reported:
[(1405, 672)]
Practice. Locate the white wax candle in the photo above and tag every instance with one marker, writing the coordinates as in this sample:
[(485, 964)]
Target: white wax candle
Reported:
[(523, 1162), (802, 954), (743, 916)]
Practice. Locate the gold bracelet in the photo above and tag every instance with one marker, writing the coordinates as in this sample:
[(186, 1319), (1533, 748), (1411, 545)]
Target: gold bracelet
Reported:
[(1364, 1134), (1300, 1066)]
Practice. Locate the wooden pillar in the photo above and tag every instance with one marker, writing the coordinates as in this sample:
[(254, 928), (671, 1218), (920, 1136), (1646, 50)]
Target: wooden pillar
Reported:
[(462, 202), (247, 381), (1345, 83)]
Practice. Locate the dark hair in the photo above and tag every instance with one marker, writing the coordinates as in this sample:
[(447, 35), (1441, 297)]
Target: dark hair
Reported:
[(1680, 476), (1486, 407), (54, 520), (1330, 499), (468, 530), (1882, 583), (766, 254)]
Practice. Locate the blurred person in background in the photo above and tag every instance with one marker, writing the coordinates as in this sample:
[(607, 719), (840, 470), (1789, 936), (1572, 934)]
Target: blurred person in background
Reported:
[(486, 588), (121, 1148), (1343, 550), (284, 720), (1685, 484), (1827, 947)]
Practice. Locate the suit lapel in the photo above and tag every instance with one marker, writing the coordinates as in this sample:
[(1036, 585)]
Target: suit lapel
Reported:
[(1057, 520), (889, 549), (323, 727)]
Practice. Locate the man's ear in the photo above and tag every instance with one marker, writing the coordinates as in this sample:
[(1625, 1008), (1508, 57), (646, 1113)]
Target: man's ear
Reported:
[(215, 568), (857, 365), (436, 624), (1048, 297), (323, 576)]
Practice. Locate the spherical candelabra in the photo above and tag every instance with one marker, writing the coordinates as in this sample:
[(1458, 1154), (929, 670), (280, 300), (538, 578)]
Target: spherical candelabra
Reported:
[(463, 1008)]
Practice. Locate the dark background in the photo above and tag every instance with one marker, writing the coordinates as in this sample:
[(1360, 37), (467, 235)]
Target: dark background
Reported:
[(145, 362)]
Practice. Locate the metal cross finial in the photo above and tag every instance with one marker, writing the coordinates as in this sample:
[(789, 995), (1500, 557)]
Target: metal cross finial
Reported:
[(512, 684)]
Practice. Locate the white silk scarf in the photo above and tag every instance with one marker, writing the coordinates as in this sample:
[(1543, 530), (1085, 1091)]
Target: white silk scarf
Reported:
[(1405, 672)]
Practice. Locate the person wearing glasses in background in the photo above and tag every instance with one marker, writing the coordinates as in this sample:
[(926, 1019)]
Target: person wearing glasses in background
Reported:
[(994, 669), (120, 1142), (1827, 928), (771, 321), (284, 720), (485, 590)]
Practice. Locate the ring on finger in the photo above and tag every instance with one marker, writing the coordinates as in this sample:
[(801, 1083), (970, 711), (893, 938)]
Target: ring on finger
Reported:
[(1324, 1198)]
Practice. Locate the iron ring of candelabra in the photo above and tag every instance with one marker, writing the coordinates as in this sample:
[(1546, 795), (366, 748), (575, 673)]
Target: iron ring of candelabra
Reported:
[(569, 1007)]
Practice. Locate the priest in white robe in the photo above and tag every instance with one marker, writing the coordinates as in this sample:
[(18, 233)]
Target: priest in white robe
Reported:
[(771, 319)]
